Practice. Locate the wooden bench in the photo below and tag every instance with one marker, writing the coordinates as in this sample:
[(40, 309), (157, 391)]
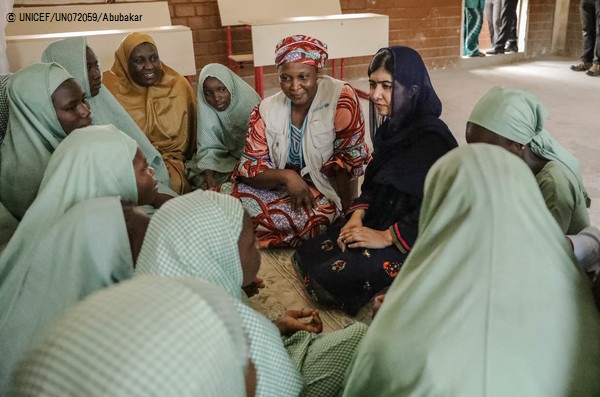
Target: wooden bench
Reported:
[(26, 41)]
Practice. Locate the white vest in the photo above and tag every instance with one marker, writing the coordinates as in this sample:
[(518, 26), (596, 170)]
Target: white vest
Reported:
[(318, 137)]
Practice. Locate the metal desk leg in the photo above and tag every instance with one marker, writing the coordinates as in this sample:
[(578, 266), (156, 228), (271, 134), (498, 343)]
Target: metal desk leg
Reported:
[(258, 81)]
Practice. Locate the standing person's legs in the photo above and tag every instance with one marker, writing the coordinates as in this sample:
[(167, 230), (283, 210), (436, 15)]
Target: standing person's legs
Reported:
[(597, 41), (595, 69), (587, 9), (495, 25), (511, 41), (473, 23), (489, 16), (508, 18)]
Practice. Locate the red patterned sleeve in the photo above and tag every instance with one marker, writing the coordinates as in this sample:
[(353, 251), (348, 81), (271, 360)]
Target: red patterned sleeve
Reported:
[(255, 158), (349, 148)]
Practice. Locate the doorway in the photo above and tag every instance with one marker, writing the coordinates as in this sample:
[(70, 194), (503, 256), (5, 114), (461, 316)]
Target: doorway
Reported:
[(485, 42)]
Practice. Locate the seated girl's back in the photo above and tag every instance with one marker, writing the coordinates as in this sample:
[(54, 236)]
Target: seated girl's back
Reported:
[(74, 239)]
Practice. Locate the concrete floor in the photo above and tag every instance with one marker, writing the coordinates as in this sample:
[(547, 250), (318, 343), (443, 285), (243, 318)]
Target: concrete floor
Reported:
[(571, 98)]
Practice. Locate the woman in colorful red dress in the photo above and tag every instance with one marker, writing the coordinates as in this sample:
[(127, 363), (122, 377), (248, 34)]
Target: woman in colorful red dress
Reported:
[(304, 149), (348, 265)]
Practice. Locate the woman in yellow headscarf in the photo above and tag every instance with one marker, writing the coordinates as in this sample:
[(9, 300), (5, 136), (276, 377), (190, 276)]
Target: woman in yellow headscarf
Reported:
[(160, 101)]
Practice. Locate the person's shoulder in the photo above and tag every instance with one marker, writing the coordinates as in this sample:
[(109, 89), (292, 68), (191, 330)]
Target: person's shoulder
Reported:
[(556, 172), (557, 182), (433, 129), (109, 79), (89, 213)]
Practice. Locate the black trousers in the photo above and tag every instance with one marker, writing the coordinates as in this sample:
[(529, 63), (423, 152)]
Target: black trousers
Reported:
[(501, 16), (590, 20)]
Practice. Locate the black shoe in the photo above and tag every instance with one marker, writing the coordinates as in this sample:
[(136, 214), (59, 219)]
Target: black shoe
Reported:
[(495, 51), (581, 67), (511, 47)]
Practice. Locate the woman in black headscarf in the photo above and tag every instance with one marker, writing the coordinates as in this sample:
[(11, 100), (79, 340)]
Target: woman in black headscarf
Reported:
[(352, 262)]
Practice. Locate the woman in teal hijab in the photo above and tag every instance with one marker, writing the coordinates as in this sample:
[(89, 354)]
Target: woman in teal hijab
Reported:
[(149, 336), (514, 119), (208, 235), (79, 60), (45, 104), (225, 103), (490, 301), (77, 237)]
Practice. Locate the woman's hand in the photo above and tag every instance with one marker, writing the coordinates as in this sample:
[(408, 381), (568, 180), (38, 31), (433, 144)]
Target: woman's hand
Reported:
[(299, 192), (209, 180), (365, 237), (377, 302), (354, 222), (254, 287), (290, 322)]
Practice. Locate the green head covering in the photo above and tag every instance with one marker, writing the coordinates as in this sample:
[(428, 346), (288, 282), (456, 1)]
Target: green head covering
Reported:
[(72, 240), (150, 336), (490, 301), (71, 54), (222, 134), (32, 134), (519, 116), (96, 161), (196, 235)]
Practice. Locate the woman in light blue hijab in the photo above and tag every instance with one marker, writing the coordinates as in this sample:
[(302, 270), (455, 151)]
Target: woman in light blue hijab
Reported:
[(514, 119), (80, 61), (490, 301), (45, 105), (225, 102), (79, 235)]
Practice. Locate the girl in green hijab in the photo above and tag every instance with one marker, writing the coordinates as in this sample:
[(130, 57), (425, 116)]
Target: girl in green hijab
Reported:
[(149, 336), (45, 104), (490, 301), (80, 61), (79, 235), (208, 235), (225, 102), (514, 119)]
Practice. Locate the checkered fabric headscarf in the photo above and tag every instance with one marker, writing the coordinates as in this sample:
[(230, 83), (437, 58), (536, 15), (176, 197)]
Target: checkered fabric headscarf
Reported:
[(149, 336), (301, 49), (196, 235)]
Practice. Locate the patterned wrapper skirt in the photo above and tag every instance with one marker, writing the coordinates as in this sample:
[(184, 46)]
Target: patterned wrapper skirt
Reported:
[(276, 224)]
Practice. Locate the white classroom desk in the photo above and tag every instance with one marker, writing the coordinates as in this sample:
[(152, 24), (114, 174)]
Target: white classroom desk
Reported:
[(26, 41), (174, 43), (346, 36)]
